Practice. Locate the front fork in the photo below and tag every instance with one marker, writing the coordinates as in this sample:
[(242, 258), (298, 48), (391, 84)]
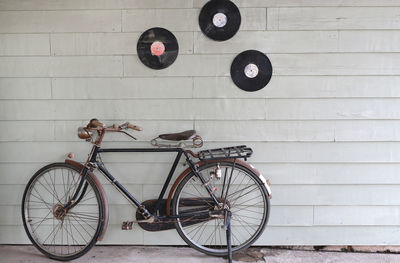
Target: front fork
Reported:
[(78, 195), (88, 167)]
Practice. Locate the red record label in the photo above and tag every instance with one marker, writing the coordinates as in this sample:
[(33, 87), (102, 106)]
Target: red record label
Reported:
[(157, 48)]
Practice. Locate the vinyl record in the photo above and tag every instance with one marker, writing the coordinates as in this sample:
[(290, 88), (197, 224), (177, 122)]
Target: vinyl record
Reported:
[(219, 19), (157, 48), (251, 70)]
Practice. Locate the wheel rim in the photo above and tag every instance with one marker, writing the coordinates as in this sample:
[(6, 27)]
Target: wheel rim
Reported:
[(56, 231), (246, 199)]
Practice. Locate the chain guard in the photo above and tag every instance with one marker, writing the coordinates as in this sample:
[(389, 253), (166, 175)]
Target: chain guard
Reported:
[(162, 223)]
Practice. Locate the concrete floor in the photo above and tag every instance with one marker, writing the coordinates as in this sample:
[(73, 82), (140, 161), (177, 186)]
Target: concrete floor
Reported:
[(119, 254)]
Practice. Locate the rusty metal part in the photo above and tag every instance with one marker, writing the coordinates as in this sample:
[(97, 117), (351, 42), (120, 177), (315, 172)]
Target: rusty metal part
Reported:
[(195, 155), (102, 193), (188, 170), (97, 126), (127, 225), (84, 133), (133, 127), (94, 123), (196, 142), (59, 211)]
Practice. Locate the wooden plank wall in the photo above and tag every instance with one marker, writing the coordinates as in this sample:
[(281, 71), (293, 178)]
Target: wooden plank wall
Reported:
[(326, 130)]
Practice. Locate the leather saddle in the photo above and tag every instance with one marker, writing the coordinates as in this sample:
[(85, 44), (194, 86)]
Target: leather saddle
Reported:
[(180, 136)]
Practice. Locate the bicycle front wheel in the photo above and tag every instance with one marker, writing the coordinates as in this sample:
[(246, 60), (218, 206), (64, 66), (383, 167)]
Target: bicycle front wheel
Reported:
[(239, 190), (58, 233)]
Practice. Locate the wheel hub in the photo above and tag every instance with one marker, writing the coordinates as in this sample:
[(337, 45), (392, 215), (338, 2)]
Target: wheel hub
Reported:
[(59, 211)]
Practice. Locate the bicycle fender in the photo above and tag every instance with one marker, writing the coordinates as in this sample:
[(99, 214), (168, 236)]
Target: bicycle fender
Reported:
[(102, 193), (188, 170)]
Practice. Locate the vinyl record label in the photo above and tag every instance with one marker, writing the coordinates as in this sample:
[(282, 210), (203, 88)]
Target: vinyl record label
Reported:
[(157, 48), (251, 70)]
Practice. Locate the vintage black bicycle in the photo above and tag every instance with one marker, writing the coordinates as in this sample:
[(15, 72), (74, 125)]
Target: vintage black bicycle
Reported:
[(218, 205)]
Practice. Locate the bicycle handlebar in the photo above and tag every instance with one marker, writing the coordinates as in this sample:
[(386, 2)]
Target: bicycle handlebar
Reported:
[(133, 127), (95, 124)]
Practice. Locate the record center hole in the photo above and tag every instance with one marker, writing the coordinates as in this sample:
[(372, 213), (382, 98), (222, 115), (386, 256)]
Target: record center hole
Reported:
[(157, 48), (251, 71), (220, 20)]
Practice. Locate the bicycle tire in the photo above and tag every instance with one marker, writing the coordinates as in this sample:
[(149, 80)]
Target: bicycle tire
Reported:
[(37, 197), (220, 248)]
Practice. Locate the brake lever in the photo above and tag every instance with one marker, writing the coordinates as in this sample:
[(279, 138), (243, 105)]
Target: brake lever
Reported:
[(128, 134)]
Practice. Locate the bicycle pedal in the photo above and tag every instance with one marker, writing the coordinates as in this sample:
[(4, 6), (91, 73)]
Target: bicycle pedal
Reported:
[(127, 225)]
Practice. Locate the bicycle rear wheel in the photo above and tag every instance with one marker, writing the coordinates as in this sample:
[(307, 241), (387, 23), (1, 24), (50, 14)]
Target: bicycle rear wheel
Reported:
[(243, 194), (58, 233)]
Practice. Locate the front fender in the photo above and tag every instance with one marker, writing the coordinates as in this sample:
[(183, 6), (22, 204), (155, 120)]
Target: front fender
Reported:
[(188, 170), (102, 193)]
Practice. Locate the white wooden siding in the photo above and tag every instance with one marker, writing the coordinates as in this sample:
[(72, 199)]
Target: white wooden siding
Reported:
[(326, 129)]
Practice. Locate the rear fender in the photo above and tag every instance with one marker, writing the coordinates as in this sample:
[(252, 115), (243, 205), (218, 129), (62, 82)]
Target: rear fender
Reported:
[(188, 170), (102, 193)]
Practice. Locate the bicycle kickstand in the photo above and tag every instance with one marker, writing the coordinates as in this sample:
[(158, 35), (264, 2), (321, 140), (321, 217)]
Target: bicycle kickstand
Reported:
[(228, 216)]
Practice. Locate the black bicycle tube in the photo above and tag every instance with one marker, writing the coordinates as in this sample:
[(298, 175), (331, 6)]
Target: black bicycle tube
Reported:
[(171, 173), (229, 182), (118, 185)]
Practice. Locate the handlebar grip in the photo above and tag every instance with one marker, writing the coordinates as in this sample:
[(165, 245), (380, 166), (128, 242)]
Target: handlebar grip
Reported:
[(95, 123), (134, 127)]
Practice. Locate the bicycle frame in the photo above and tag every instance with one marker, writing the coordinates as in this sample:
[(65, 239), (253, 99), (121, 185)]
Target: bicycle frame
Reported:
[(93, 163)]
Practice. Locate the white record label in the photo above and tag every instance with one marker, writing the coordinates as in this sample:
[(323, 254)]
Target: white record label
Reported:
[(251, 71), (220, 20)]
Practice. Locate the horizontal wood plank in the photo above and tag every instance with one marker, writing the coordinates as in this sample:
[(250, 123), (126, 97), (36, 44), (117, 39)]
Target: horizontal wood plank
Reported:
[(25, 88), (330, 173), (121, 88), (167, 109), (381, 130), (302, 87), (304, 3), (316, 18), (304, 109), (91, 4), (136, 20), (60, 21), (270, 42), (328, 41), (78, 66), (24, 45), (356, 215)]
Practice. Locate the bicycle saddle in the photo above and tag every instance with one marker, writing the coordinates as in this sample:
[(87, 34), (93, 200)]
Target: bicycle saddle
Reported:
[(180, 136)]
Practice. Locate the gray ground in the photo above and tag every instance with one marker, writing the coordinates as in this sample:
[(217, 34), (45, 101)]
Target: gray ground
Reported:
[(116, 254)]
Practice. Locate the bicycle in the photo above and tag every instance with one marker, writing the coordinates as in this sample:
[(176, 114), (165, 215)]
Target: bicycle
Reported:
[(219, 205)]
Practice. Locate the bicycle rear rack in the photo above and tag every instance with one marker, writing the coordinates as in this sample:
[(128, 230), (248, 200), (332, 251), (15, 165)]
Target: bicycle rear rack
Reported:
[(241, 151)]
